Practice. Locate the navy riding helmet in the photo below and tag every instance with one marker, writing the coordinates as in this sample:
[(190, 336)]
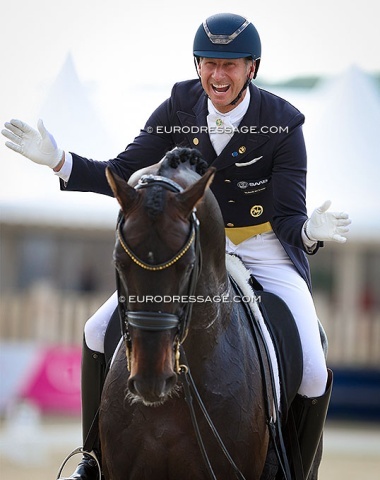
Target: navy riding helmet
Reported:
[(226, 35)]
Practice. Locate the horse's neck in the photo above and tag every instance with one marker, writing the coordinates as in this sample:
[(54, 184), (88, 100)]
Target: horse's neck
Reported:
[(213, 294), (213, 281), (213, 244), (213, 284)]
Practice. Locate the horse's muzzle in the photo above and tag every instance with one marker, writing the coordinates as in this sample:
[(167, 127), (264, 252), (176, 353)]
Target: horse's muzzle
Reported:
[(151, 391), (152, 366)]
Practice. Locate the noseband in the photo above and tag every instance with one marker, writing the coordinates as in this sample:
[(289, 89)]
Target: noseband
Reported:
[(158, 321)]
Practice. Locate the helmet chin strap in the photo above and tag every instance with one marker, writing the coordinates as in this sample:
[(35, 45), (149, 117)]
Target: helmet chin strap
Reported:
[(234, 102)]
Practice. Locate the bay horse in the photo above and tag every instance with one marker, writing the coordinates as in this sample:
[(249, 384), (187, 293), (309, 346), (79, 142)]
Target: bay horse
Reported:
[(176, 305)]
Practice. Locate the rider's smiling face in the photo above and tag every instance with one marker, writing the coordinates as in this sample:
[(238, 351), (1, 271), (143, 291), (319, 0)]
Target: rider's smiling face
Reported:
[(222, 79)]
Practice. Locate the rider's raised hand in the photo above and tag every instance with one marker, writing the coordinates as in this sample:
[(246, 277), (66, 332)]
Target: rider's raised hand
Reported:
[(324, 226), (39, 146)]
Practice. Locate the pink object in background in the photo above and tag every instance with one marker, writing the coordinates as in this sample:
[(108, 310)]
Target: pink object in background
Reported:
[(53, 383)]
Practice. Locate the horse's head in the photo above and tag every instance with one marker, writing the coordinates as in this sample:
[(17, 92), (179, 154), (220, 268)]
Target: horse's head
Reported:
[(157, 259)]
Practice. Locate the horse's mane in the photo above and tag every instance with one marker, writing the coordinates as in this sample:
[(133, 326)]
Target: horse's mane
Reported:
[(177, 156), (155, 200)]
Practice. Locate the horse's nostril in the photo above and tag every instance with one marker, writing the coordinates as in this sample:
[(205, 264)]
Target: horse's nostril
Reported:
[(170, 382)]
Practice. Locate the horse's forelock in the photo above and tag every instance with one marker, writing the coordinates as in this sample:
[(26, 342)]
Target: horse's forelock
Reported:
[(154, 200)]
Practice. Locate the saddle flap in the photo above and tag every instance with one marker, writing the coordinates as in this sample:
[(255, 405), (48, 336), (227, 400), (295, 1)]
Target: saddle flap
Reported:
[(283, 330)]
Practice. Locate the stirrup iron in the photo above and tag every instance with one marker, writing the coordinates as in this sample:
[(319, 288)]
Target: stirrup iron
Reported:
[(76, 452)]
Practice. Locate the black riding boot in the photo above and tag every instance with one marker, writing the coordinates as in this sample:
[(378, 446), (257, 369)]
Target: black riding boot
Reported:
[(93, 375), (309, 417)]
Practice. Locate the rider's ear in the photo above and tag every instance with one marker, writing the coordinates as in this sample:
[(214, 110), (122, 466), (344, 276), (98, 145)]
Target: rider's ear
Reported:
[(123, 192), (193, 194)]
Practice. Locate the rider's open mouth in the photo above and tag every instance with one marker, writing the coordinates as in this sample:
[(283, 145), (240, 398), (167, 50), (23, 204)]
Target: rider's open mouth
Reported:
[(220, 88)]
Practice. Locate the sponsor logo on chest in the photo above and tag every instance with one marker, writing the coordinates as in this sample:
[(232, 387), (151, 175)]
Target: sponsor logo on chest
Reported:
[(253, 186)]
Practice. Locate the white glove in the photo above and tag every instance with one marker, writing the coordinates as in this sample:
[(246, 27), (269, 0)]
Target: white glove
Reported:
[(40, 147), (324, 226)]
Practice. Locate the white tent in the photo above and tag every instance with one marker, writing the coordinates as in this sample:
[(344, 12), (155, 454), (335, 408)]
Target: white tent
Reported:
[(69, 113), (341, 132), (344, 158), (30, 193)]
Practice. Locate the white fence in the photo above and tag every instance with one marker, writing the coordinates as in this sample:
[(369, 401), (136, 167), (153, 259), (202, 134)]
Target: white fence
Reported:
[(44, 315), (353, 335)]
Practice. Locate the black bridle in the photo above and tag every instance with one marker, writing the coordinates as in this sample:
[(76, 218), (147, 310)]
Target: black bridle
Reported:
[(158, 321)]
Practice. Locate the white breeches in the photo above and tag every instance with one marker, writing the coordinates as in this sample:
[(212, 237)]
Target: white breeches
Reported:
[(267, 260), (96, 326)]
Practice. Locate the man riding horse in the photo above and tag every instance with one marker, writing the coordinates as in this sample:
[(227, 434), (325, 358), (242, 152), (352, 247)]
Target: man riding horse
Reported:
[(254, 140)]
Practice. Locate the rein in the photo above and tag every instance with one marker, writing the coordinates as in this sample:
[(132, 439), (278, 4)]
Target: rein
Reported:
[(189, 386), (274, 427)]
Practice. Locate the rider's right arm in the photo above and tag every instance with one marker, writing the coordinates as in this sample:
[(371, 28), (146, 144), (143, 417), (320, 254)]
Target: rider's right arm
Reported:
[(147, 148), (86, 175)]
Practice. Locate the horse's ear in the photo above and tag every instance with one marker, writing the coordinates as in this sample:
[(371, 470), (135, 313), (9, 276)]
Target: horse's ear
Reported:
[(193, 194), (123, 192)]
